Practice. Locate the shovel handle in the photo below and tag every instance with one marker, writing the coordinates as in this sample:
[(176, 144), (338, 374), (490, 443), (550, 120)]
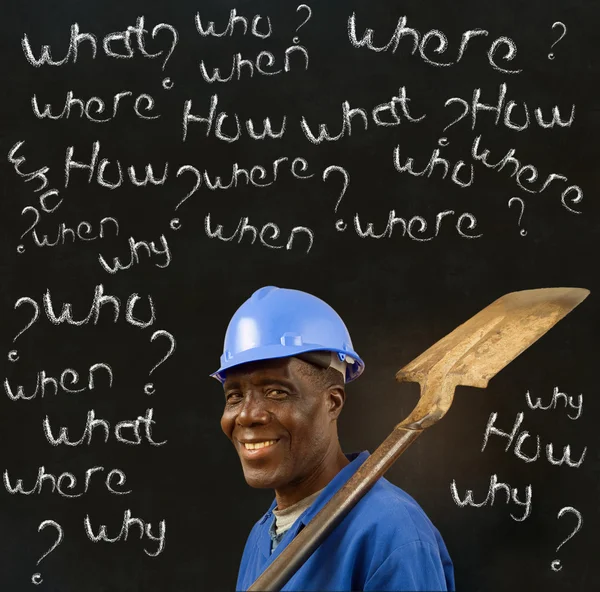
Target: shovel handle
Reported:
[(308, 539)]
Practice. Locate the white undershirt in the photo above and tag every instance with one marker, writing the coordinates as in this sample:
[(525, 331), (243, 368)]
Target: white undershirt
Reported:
[(285, 518)]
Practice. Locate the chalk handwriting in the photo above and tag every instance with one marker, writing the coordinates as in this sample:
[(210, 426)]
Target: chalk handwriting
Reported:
[(383, 115), (128, 523), (66, 481), (93, 107), (69, 378), (490, 430), (214, 123), (436, 160), (99, 301), (257, 176), (39, 175), (415, 227), (83, 231), (262, 64), (554, 402), (233, 26), (115, 45), (503, 112), (511, 496), (125, 432), (434, 41), (266, 235), (526, 174), (151, 249), (116, 174)]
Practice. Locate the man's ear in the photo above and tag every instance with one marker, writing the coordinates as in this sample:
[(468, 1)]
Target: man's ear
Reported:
[(336, 397)]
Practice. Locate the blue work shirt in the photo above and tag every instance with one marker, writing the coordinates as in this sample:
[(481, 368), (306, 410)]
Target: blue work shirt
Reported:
[(386, 542)]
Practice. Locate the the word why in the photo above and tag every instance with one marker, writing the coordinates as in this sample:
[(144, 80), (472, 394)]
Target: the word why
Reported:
[(128, 523), (511, 496), (554, 402)]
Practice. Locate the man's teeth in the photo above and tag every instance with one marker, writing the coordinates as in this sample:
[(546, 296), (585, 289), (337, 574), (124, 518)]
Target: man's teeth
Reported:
[(256, 445)]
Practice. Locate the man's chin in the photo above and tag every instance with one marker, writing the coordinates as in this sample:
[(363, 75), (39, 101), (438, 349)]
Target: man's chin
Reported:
[(260, 479)]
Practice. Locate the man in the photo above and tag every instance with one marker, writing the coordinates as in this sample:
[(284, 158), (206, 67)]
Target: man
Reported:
[(287, 356)]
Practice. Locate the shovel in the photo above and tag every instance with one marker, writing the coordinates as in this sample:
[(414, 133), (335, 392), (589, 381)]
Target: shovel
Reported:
[(469, 356)]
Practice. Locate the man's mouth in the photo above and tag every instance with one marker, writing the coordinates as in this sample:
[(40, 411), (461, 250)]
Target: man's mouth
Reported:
[(257, 445)]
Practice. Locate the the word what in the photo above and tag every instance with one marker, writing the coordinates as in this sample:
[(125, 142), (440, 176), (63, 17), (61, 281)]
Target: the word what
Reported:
[(125, 432), (115, 45)]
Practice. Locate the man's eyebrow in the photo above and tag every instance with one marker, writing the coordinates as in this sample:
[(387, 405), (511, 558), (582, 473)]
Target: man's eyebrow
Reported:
[(235, 384), (273, 380)]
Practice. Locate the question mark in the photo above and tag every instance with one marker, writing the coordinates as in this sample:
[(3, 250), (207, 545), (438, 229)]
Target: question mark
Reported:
[(523, 232), (149, 387), (556, 566), (339, 225), (296, 40), (551, 55), (36, 578), (167, 83)]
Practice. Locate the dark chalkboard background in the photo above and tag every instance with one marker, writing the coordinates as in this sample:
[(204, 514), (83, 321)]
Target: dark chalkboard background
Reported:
[(397, 295)]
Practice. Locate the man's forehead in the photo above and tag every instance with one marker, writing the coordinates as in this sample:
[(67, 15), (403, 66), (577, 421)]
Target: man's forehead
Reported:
[(275, 368)]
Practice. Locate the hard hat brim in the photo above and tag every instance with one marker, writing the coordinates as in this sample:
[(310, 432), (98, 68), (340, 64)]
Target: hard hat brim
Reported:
[(272, 352)]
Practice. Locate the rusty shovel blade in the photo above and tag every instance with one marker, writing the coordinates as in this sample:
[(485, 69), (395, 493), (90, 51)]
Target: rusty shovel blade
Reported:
[(479, 348), (470, 355)]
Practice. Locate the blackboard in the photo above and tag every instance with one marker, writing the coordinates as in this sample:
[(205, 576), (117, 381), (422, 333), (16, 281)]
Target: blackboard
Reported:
[(407, 162)]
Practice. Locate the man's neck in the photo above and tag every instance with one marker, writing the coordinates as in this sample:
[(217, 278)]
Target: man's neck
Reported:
[(316, 481)]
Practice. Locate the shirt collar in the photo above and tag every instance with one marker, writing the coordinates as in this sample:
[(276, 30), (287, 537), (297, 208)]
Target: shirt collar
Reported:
[(356, 460)]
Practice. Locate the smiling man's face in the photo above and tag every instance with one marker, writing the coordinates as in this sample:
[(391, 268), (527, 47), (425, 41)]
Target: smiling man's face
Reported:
[(282, 422)]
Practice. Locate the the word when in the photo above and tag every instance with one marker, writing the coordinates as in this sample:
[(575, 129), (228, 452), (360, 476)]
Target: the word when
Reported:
[(261, 64), (268, 233), (68, 379), (83, 231)]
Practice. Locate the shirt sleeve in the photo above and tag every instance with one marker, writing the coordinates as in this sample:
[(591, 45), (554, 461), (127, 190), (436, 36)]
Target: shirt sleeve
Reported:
[(415, 566)]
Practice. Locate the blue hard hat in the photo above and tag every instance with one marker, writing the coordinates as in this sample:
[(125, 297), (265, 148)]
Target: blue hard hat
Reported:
[(277, 323)]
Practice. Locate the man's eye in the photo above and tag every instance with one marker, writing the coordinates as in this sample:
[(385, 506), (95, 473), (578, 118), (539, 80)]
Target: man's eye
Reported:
[(278, 393), (233, 397)]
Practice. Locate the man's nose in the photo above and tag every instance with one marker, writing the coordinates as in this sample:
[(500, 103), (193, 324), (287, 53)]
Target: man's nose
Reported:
[(253, 412)]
